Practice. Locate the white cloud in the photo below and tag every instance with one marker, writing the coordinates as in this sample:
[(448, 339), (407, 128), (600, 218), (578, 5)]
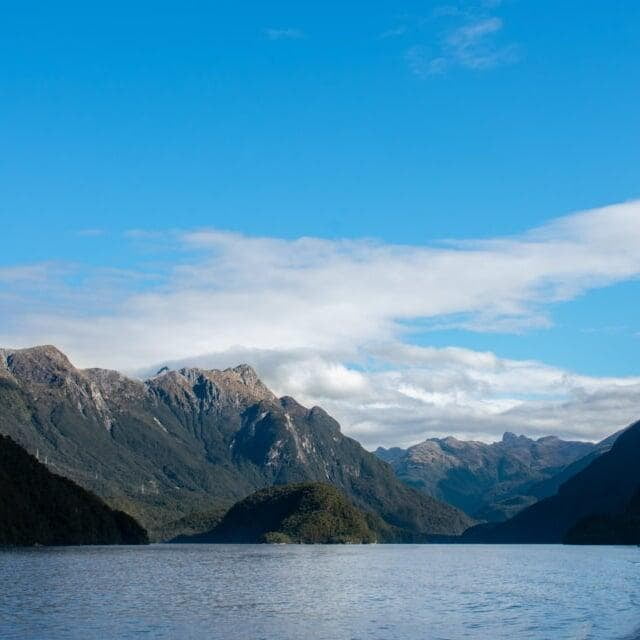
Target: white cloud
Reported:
[(406, 393), (470, 44), (302, 310), (30, 273)]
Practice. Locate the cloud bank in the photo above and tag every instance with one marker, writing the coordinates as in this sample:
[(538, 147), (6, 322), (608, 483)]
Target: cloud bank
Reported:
[(332, 321), (407, 393)]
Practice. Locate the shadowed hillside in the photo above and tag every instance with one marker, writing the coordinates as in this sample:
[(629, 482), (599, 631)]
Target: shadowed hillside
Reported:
[(604, 489), (621, 528), (39, 507)]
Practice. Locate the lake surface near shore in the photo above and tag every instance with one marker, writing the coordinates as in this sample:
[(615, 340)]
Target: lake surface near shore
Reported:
[(325, 592)]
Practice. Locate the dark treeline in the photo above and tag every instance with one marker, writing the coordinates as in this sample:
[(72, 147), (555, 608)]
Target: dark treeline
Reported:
[(38, 507)]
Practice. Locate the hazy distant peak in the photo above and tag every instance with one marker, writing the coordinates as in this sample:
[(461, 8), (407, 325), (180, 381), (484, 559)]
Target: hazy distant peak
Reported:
[(510, 437), (478, 477), (548, 439)]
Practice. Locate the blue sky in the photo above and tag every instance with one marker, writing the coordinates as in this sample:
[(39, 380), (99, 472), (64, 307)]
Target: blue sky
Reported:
[(410, 124)]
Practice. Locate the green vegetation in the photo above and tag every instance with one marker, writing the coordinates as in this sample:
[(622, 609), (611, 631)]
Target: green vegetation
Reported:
[(311, 513), (173, 449), (38, 507), (191, 524)]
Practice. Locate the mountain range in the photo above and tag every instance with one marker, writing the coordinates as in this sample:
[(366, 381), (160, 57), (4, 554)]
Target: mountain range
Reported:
[(491, 482), (178, 449), (194, 453), (598, 503)]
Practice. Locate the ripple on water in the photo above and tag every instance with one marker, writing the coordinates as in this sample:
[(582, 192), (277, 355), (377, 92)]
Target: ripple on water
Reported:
[(389, 592)]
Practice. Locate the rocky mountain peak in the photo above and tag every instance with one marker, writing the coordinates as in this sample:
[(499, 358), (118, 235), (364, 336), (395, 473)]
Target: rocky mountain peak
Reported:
[(510, 438), (453, 443), (290, 404), (246, 373), (242, 380), (212, 388), (113, 385), (486, 480), (42, 364)]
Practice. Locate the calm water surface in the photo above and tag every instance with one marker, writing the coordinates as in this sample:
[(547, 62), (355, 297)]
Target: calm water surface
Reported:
[(325, 592)]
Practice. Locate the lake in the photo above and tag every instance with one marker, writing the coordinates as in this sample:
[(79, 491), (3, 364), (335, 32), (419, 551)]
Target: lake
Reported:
[(325, 592)]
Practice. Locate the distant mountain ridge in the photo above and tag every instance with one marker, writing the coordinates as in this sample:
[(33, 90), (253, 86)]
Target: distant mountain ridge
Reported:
[(192, 441), (598, 501), (488, 481)]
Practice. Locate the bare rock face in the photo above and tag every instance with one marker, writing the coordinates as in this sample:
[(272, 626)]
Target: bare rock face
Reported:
[(112, 384), (191, 441), (50, 378), (43, 365), (207, 390)]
